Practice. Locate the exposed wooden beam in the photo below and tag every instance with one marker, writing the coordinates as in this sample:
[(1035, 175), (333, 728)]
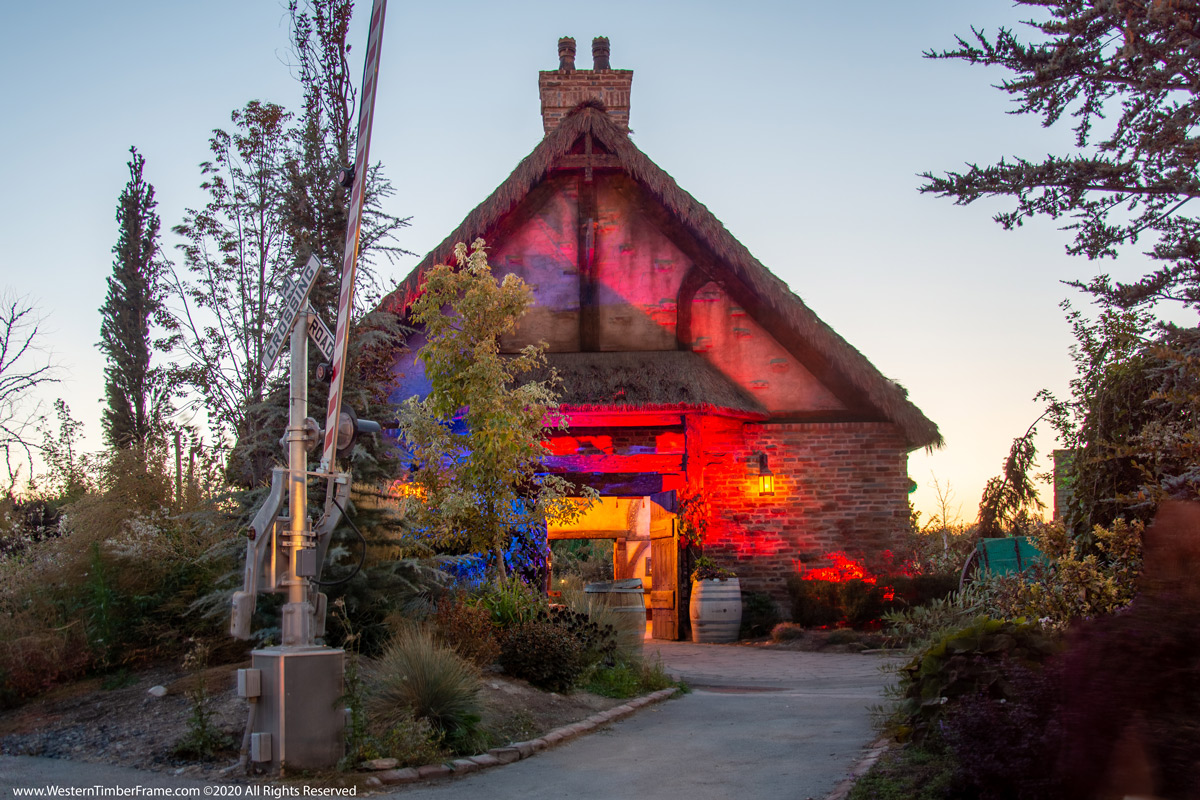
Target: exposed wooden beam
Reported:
[(624, 419), (524, 211), (584, 161), (618, 484), (605, 463), (570, 534), (589, 300)]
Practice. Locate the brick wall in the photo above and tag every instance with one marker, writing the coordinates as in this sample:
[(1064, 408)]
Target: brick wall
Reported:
[(838, 486)]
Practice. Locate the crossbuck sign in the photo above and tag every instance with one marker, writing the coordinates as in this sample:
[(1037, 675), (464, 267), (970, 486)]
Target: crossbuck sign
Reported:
[(295, 295)]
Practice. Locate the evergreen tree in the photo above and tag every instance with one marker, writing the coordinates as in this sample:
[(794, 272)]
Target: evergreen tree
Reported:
[(132, 388), (1125, 72)]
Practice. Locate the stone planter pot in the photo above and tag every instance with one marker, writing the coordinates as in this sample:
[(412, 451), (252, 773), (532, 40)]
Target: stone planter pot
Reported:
[(716, 610)]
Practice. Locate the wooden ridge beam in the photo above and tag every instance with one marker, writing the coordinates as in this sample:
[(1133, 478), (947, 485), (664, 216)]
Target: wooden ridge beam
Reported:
[(584, 160)]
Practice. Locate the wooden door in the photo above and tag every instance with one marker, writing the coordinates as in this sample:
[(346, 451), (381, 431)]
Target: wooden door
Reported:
[(664, 567)]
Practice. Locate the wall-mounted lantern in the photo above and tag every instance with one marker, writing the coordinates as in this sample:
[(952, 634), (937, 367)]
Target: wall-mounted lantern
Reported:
[(766, 478)]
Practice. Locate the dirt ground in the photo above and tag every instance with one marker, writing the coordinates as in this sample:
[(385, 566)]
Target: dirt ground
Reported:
[(129, 726)]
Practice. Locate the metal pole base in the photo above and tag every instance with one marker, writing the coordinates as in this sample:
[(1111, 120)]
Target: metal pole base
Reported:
[(297, 624)]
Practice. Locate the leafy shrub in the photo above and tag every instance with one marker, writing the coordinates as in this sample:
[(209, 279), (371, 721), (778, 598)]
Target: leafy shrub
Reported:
[(814, 603), (597, 642), (919, 590), (542, 653), (920, 626), (627, 677), (628, 632), (410, 740), (1008, 748), (417, 677), (706, 570), (1133, 676), (819, 603), (971, 660), (1081, 579), (468, 630), (859, 602), (787, 632), (759, 614), (34, 661), (937, 548), (112, 588), (509, 602)]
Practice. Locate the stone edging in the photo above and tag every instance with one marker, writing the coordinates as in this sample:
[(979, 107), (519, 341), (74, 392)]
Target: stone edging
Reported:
[(518, 750), (865, 763)]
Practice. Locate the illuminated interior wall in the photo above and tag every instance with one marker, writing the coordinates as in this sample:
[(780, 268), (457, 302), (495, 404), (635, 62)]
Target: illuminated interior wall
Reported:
[(630, 515)]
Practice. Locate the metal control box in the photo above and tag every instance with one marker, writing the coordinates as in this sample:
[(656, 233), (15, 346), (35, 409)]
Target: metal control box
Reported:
[(249, 683), (301, 705), (260, 747)]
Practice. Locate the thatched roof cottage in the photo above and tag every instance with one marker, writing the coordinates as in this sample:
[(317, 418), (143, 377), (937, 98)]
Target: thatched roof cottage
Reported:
[(686, 365)]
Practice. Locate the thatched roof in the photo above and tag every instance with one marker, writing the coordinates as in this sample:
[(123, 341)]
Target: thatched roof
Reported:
[(788, 311), (660, 380)]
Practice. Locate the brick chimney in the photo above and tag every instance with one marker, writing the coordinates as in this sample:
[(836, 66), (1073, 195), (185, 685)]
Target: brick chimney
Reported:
[(566, 87)]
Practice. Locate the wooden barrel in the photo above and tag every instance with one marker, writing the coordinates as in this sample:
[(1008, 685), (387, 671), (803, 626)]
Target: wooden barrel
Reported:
[(623, 599), (716, 610)]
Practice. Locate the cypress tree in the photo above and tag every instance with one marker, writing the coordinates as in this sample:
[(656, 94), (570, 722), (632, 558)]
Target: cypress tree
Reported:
[(131, 388)]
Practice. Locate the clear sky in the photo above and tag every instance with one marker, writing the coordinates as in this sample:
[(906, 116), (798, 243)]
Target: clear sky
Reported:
[(801, 125)]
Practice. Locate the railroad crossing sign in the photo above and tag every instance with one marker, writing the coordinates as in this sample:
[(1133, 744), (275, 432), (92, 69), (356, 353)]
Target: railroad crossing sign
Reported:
[(318, 331), (294, 297)]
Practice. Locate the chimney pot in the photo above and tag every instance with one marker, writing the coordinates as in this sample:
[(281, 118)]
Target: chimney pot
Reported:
[(600, 52), (566, 54)]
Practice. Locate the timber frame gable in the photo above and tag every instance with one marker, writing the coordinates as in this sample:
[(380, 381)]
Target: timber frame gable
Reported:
[(588, 144)]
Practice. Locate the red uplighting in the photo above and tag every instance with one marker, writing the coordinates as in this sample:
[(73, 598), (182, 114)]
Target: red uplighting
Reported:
[(844, 569)]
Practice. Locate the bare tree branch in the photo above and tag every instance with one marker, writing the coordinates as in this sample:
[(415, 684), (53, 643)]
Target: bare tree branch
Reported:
[(24, 367)]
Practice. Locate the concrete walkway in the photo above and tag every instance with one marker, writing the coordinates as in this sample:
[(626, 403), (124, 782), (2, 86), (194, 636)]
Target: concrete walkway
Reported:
[(761, 724)]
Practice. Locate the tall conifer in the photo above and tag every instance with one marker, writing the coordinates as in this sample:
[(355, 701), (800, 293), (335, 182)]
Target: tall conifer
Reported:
[(134, 297)]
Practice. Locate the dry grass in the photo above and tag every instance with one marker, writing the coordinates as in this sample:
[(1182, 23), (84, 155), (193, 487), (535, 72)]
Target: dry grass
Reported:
[(416, 676)]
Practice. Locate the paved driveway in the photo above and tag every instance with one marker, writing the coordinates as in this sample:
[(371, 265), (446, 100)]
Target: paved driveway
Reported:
[(760, 725)]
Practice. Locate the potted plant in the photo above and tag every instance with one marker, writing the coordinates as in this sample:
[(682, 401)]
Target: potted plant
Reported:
[(716, 607)]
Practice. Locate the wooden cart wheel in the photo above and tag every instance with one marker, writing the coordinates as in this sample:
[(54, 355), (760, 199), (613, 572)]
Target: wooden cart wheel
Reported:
[(971, 561)]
